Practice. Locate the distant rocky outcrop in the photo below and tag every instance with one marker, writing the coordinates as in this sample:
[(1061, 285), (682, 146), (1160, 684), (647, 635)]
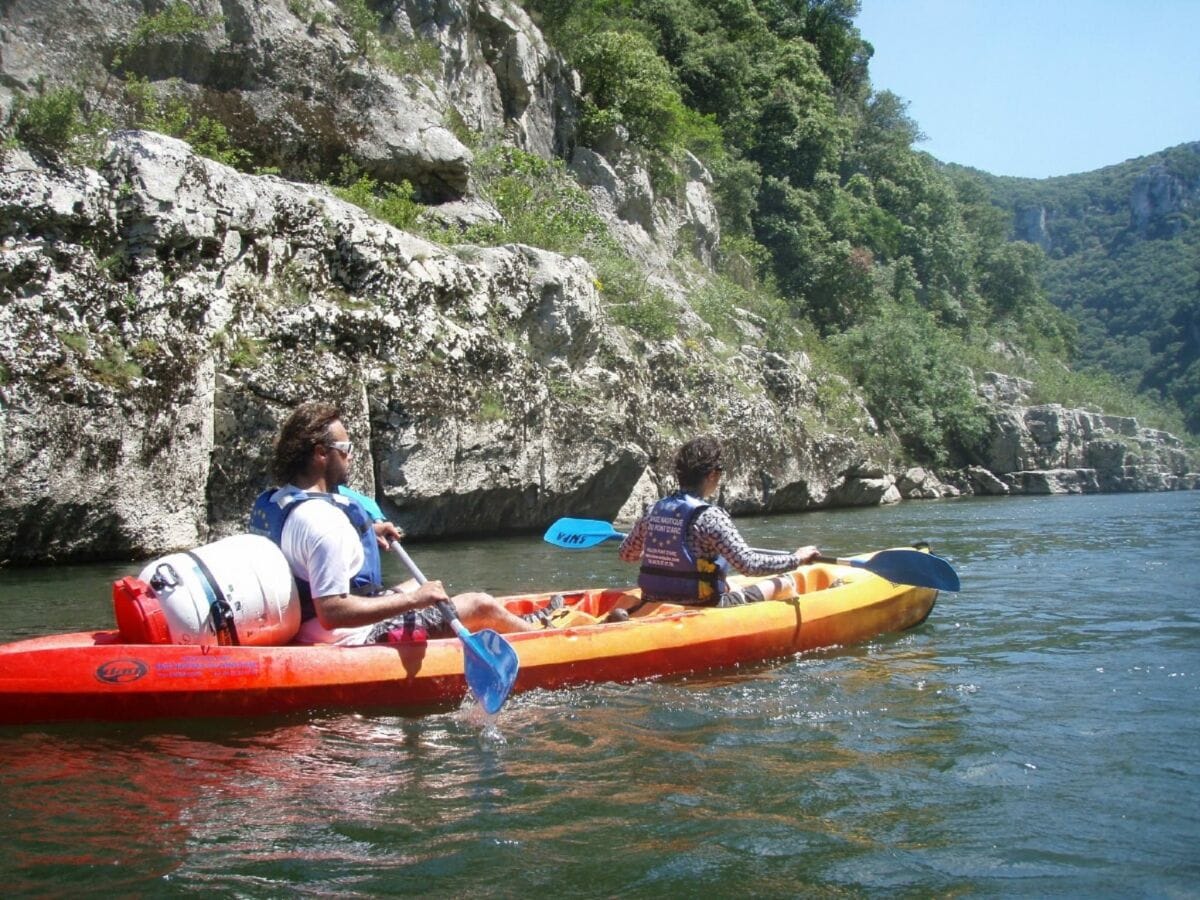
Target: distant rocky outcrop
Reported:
[(1158, 200), (1029, 224), (1154, 198), (1049, 449)]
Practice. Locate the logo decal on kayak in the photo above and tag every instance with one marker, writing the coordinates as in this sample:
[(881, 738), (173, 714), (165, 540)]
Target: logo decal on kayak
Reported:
[(121, 671)]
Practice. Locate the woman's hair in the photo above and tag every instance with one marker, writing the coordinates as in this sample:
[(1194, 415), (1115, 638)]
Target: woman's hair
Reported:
[(305, 428), (696, 459)]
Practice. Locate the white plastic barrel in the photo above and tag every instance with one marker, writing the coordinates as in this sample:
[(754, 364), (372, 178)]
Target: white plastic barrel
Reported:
[(247, 572)]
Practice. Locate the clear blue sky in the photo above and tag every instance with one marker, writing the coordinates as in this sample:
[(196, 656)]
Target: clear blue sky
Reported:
[(1038, 88)]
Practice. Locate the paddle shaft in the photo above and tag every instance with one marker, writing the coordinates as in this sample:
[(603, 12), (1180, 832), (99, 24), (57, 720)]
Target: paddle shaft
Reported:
[(446, 608), (768, 551), (900, 566), (408, 562), (583, 534)]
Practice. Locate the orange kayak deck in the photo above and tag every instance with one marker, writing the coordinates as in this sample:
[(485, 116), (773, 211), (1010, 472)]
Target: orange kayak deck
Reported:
[(93, 676)]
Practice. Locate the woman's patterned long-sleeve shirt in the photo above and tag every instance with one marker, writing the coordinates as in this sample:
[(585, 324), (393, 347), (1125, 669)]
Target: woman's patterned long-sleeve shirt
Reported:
[(713, 534)]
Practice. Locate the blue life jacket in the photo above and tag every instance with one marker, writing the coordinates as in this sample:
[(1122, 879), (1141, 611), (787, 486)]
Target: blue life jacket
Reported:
[(669, 568), (271, 510)]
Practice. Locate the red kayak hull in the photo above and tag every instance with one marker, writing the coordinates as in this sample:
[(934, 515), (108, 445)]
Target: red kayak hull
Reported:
[(93, 676)]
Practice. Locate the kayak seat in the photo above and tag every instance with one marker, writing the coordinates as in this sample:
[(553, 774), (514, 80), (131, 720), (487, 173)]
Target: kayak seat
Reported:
[(816, 578), (542, 614), (570, 617)]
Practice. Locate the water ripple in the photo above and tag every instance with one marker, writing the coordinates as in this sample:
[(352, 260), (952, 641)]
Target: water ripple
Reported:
[(1036, 737)]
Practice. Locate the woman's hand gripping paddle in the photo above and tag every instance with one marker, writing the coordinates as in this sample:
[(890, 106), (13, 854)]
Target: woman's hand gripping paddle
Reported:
[(489, 661)]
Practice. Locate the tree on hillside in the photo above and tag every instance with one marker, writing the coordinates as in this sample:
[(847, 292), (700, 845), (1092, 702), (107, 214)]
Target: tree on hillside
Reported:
[(818, 173)]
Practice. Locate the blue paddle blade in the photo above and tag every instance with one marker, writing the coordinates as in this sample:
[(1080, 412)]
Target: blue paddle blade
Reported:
[(490, 664), (580, 534), (911, 567), (367, 503)]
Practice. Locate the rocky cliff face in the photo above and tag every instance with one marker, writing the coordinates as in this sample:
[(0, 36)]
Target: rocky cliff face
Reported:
[(311, 83), (160, 312), (160, 315), (1029, 224), (1158, 200)]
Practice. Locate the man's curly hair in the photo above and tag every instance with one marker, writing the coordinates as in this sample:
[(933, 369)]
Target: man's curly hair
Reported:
[(305, 428), (696, 459)]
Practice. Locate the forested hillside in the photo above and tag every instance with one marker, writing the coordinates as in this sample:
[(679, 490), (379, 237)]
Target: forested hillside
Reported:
[(905, 267), (1123, 258)]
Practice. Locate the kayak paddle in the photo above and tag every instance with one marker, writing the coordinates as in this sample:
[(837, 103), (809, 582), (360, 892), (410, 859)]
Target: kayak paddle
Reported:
[(583, 534), (900, 566), (580, 534), (489, 661), (367, 503)]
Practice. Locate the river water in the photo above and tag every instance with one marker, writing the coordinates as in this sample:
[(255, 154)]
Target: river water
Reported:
[(1038, 735)]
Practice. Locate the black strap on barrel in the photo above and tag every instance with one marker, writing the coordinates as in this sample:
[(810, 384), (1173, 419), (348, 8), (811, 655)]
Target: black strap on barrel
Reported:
[(220, 610)]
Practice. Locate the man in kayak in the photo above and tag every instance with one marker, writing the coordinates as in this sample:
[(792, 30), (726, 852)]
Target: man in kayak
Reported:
[(686, 546), (333, 547)]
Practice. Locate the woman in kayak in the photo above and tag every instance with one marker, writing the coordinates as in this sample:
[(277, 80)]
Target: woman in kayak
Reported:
[(686, 546)]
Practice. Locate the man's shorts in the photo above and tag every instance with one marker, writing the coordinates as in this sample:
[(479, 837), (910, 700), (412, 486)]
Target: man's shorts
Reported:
[(416, 625)]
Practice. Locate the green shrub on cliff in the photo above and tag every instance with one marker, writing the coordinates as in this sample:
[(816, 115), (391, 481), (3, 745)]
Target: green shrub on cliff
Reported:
[(651, 314), (541, 204), (917, 381), (161, 108), (175, 20), (631, 86), (403, 56), (57, 124), (392, 203)]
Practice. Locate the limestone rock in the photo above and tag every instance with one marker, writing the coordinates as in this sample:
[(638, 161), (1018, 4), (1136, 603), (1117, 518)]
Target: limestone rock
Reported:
[(1120, 454), (312, 88), (1053, 481), (861, 491), (918, 484), (643, 496), (159, 318), (984, 482), (1030, 225), (1005, 390), (1156, 199), (653, 227)]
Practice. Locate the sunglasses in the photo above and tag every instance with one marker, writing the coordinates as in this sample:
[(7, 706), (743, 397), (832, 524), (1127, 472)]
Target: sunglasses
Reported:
[(347, 447)]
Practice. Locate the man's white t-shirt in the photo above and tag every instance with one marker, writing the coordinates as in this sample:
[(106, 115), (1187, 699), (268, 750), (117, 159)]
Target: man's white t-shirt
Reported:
[(322, 548)]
